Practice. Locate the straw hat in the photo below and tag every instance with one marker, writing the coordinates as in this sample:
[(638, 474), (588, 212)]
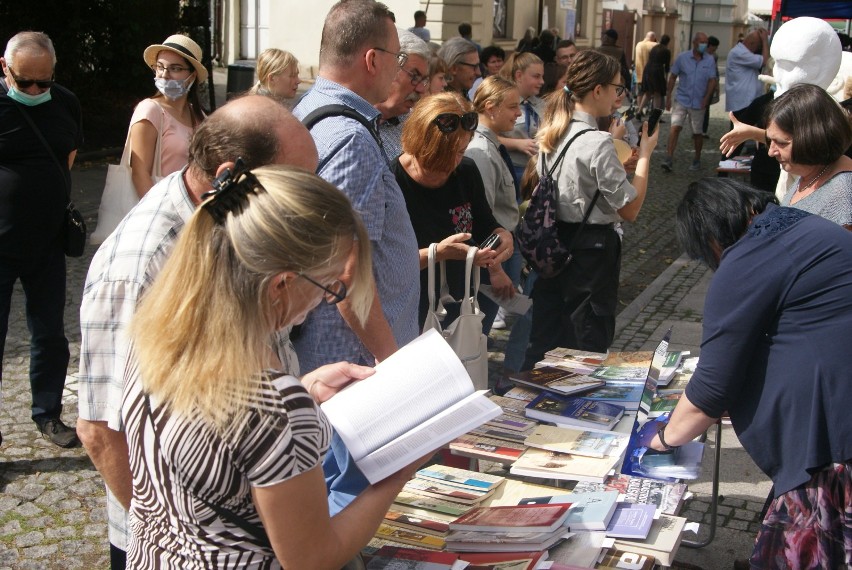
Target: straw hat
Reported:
[(184, 47)]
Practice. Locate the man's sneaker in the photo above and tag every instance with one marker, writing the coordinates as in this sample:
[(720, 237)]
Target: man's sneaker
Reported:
[(58, 433), (667, 164), (499, 322), (696, 165)]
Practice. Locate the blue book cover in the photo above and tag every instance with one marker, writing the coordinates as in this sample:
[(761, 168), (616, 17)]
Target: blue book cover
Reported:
[(631, 520), (625, 394), (568, 411), (589, 511)]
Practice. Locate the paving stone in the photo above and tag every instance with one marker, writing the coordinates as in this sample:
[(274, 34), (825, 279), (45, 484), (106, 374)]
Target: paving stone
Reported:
[(29, 538), (27, 510)]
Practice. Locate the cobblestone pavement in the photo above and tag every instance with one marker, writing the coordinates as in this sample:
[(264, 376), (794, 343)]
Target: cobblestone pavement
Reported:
[(52, 505)]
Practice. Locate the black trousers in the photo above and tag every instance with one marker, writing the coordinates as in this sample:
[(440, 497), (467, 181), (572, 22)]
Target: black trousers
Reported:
[(576, 309)]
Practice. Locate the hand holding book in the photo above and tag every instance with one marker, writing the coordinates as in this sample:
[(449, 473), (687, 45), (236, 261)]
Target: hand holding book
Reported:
[(328, 380)]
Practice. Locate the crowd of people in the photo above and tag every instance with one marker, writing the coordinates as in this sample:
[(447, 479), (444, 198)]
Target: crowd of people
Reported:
[(317, 212)]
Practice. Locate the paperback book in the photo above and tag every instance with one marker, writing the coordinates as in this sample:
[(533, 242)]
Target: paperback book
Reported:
[(631, 520), (503, 561), (500, 450), (418, 501), (419, 399), (487, 431), (445, 492), (555, 380), (424, 524), (522, 394), (625, 394), (574, 412), (553, 465), (576, 441), (396, 558), (404, 536), (662, 542), (614, 559), (472, 541), (511, 406), (462, 478), (666, 497), (589, 511), (518, 518), (512, 422), (663, 404)]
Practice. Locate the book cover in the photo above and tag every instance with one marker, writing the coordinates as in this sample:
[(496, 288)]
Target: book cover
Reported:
[(444, 492), (669, 366), (662, 541), (464, 478), (624, 373), (576, 412), (512, 422), (511, 405), (416, 500), (575, 441), (424, 513), (666, 497), (503, 561), (676, 386), (472, 541), (413, 538), (426, 525), (625, 394), (519, 518), (418, 399), (553, 465), (499, 450), (582, 549), (390, 557), (589, 511), (513, 437), (663, 404), (555, 380), (631, 520), (634, 358), (522, 394), (615, 559)]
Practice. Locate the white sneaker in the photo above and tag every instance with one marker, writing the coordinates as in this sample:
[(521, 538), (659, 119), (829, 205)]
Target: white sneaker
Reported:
[(499, 320)]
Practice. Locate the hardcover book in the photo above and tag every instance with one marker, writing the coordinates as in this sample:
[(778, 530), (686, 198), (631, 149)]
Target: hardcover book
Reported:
[(625, 394), (576, 441), (589, 511), (519, 518), (407, 521), (574, 412), (677, 384), (555, 380), (553, 465), (662, 542), (513, 437), (500, 450), (418, 539), (631, 520), (419, 399)]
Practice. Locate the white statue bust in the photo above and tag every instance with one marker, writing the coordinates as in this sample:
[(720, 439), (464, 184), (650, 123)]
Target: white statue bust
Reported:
[(805, 50)]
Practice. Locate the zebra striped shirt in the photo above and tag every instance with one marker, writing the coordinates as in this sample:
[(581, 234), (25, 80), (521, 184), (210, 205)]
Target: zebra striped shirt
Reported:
[(179, 464)]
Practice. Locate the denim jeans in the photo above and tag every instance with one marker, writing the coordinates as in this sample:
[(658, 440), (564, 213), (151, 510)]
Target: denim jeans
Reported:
[(519, 337), (43, 281)]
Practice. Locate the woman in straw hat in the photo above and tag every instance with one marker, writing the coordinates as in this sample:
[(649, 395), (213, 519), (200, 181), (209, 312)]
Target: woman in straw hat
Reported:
[(171, 115)]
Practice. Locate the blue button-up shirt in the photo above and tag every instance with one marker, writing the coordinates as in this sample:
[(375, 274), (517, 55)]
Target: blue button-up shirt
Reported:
[(359, 168), (692, 78)]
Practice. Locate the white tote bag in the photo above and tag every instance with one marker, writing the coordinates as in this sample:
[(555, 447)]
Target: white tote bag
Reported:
[(120, 195), (464, 334)]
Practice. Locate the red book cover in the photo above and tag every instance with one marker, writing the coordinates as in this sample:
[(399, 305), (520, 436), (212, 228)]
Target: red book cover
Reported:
[(519, 518)]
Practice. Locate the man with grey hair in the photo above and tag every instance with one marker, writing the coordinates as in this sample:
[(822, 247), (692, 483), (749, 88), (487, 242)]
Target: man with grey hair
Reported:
[(409, 85), (462, 61), (359, 60), (42, 130)]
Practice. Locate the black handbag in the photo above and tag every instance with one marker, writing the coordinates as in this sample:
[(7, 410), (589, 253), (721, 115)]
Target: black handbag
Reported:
[(74, 228)]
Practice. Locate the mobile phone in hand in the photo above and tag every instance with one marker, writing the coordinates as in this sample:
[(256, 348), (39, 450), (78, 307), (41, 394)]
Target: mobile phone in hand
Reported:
[(653, 119), (492, 241)]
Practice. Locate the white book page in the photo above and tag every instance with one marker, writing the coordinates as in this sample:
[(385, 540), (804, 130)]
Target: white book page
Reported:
[(419, 380), (460, 418)]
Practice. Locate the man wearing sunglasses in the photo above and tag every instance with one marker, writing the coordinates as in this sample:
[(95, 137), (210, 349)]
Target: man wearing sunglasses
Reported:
[(408, 86), (359, 60), (35, 179)]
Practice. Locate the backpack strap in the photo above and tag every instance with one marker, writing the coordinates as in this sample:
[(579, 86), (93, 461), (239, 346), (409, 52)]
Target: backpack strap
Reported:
[(559, 158), (337, 110)]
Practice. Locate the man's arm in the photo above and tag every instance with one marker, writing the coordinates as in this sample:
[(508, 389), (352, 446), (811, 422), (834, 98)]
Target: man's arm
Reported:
[(711, 85), (108, 451), (71, 157), (669, 88), (764, 39)]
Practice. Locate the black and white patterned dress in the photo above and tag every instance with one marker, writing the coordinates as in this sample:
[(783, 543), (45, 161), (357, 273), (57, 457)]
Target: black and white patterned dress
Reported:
[(185, 466)]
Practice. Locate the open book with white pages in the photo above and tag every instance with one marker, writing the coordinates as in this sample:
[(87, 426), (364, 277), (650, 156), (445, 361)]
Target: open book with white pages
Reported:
[(418, 400)]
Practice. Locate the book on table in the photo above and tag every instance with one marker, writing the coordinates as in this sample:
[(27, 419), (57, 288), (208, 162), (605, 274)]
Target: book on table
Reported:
[(414, 538), (631, 520), (511, 406), (423, 524), (554, 465), (438, 490), (518, 518), (418, 501), (625, 394), (511, 422), (521, 393), (555, 380), (392, 557), (663, 405), (662, 542), (479, 447), (576, 441), (419, 399), (666, 497), (462, 478), (472, 541), (503, 561), (615, 559), (488, 431), (574, 412), (589, 511), (581, 549)]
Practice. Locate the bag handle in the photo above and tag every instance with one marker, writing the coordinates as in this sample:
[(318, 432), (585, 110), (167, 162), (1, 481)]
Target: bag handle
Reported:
[(125, 155), (469, 303)]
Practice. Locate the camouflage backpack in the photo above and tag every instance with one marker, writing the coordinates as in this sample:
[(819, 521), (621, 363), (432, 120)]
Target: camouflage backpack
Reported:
[(538, 233)]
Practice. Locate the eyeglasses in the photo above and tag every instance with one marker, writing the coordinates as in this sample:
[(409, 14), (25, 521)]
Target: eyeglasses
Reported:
[(619, 89), (334, 292), (160, 69), (401, 58), (416, 78), (473, 65), (449, 122), (27, 83)]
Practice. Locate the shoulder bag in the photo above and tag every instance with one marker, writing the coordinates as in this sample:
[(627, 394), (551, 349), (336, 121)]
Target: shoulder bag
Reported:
[(119, 194), (74, 231), (538, 232), (464, 335)]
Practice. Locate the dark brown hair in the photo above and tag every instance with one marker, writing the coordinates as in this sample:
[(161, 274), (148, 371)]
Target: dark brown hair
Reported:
[(350, 26)]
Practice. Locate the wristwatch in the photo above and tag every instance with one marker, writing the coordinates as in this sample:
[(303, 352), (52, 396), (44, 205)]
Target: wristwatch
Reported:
[(661, 429)]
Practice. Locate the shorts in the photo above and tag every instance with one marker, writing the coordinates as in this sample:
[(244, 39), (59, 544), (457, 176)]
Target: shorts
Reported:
[(696, 117)]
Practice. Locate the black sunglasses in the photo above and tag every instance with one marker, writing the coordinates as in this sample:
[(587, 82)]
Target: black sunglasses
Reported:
[(27, 83), (449, 122)]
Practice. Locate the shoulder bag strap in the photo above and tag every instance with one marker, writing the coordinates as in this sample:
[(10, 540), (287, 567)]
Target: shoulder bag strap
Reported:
[(470, 305), (338, 110), (433, 252), (559, 158), (37, 131)]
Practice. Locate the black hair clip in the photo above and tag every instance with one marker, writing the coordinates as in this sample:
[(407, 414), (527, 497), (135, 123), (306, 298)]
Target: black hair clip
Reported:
[(230, 191)]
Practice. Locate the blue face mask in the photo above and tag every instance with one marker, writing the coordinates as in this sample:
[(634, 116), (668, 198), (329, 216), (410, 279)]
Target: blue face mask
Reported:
[(27, 99), (702, 48)]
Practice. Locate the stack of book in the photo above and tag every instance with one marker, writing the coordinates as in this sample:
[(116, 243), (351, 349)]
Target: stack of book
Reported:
[(554, 465), (557, 380), (500, 439), (589, 511), (508, 528), (667, 498), (579, 412)]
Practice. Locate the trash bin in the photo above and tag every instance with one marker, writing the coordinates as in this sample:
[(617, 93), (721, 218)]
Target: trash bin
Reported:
[(240, 77)]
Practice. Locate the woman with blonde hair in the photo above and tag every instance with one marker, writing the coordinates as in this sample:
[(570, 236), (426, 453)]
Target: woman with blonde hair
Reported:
[(576, 307), (277, 74), (225, 451), (526, 71), (445, 197)]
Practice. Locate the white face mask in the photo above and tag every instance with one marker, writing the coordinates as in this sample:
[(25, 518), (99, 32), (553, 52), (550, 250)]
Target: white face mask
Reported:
[(173, 89)]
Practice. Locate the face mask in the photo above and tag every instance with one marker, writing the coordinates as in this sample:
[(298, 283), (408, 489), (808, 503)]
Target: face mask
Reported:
[(27, 99), (173, 89), (701, 48)]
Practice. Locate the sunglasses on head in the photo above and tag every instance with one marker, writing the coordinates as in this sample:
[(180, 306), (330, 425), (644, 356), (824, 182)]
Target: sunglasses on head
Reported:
[(449, 122), (27, 83)]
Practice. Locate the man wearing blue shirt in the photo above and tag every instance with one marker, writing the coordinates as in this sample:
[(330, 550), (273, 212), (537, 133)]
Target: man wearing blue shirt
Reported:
[(695, 73), (359, 60), (745, 60)]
